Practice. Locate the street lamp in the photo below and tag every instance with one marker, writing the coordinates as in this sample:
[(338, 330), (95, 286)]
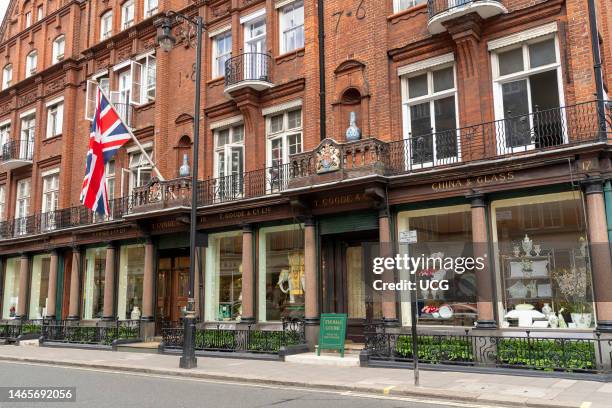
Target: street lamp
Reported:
[(166, 41)]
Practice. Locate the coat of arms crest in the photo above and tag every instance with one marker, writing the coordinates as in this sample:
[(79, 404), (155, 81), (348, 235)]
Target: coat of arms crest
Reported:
[(328, 158)]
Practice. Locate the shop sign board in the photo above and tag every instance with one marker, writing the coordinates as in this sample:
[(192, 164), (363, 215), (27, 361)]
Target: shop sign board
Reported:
[(332, 333)]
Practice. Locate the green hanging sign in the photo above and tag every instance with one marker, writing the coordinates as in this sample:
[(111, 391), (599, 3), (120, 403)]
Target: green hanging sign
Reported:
[(332, 333)]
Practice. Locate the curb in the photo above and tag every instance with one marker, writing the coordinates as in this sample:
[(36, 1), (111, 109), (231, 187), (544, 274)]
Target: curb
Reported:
[(445, 395)]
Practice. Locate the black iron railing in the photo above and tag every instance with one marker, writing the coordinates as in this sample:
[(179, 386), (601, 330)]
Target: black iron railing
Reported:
[(435, 7), (12, 329), (249, 339), (17, 150), (250, 66), (566, 354), (103, 333)]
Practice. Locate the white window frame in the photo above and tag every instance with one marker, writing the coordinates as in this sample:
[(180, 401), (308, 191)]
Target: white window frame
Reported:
[(284, 133), (127, 14), (55, 117), (285, 28), (217, 70), (143, 78), (28, 19), (27, 135), (31, 63), (499, 80), (50, 197), (106, 25), (401, 5), (59, 47), (226, 151), (39, 13), (3, 202), (138, 168), (420, 68), (5, 134), (150, 7), (22, 205), (7, 76)]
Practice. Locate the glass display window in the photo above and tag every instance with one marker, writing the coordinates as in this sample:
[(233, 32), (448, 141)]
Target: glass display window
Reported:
[(224, 277), (93, 283), (39, 287), (10, 296), (131, 279)]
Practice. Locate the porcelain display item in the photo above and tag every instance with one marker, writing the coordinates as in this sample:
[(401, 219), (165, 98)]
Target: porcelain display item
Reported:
[(518, 290), (582, 320), (135, 315), (516, 251), (527, 245), (537, 249), (446, 312), (184, 170), (547, 310), (353, 133), (553, 321)]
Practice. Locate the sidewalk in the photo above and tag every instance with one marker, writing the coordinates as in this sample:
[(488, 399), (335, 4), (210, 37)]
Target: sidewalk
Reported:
[(507, 390)]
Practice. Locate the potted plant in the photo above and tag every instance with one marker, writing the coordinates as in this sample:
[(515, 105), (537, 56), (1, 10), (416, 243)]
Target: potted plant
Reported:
[(573, 284)]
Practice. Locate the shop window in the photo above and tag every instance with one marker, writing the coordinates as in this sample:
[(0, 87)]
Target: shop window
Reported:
[(291, 27), (106, 25), (39, 287), (31, 64), (442, 237), (543, 261), (430, 108), (59, 46), (7, 76), (229, 162), (55, 119), (131, 277), (528, 94), (127, 14), (224, 277), (222, 51), (281, 272), (401, 5), (10, 297), (93, 283)]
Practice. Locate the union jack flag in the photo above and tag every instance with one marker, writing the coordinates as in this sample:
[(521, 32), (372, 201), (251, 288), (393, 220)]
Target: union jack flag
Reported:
[(108, 134)]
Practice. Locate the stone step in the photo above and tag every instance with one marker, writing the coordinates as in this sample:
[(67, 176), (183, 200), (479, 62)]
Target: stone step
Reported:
[(328, 359), (145, 347)]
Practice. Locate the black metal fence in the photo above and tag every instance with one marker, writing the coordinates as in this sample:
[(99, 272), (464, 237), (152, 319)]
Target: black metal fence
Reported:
[(554, 354), (249, 66), (249, 339), (10, 330), (103, 333), (435, 7)]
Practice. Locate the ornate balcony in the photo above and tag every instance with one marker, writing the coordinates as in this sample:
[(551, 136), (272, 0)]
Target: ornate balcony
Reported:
[(442, 11), (16, 153), (248, 70)]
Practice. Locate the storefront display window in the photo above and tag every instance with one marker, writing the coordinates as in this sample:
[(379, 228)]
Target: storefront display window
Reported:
[(11, 288), (131, 276), (93, 283), (281, 272), (39, 287), (444, 237), (543, 261), (224, 277)]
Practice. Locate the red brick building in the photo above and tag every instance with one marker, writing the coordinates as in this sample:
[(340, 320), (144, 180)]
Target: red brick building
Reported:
[(441, 128)]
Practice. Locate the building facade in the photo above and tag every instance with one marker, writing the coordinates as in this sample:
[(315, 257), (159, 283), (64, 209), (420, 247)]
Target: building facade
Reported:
[(434, 128)]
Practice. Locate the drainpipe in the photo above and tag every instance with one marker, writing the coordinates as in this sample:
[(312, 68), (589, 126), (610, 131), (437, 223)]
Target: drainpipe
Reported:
[(599, 87), (322, 116)]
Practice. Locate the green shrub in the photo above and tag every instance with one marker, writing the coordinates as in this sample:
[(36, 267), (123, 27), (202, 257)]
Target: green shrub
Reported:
[(547, 355), (434, 349)]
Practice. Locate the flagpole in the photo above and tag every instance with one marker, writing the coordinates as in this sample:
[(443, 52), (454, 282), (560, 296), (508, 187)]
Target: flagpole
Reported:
[(142, 150)]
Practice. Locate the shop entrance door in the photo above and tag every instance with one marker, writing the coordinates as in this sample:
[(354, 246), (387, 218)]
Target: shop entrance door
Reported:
[(172, 285), (346, 272)]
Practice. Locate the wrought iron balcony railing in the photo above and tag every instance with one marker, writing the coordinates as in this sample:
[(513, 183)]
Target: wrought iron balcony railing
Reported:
[(517, 135), (21, 150), (252, 68)]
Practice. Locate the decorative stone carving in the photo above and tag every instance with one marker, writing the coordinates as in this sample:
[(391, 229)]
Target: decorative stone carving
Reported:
[(328, 157), (27, 99), (124, 52), (6, 106), (55, 85), (221, 10)]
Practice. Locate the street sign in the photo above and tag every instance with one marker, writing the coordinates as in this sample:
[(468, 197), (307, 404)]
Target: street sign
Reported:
[(332, 333)]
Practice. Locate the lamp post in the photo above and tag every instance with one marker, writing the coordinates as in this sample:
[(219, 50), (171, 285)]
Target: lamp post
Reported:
[(166, 41)]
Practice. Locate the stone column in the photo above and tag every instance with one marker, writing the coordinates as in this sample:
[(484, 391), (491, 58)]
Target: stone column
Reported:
[(108, 312), (22, 302), (311, 290), (248, 280), (484, 283), (75, 280), (601, 262), (52, 291), (389, 298), (148, 295)]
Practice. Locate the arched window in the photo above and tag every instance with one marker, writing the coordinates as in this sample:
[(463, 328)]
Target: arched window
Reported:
[(7, 76), (58, 48), (106, 25), (31, 63)]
